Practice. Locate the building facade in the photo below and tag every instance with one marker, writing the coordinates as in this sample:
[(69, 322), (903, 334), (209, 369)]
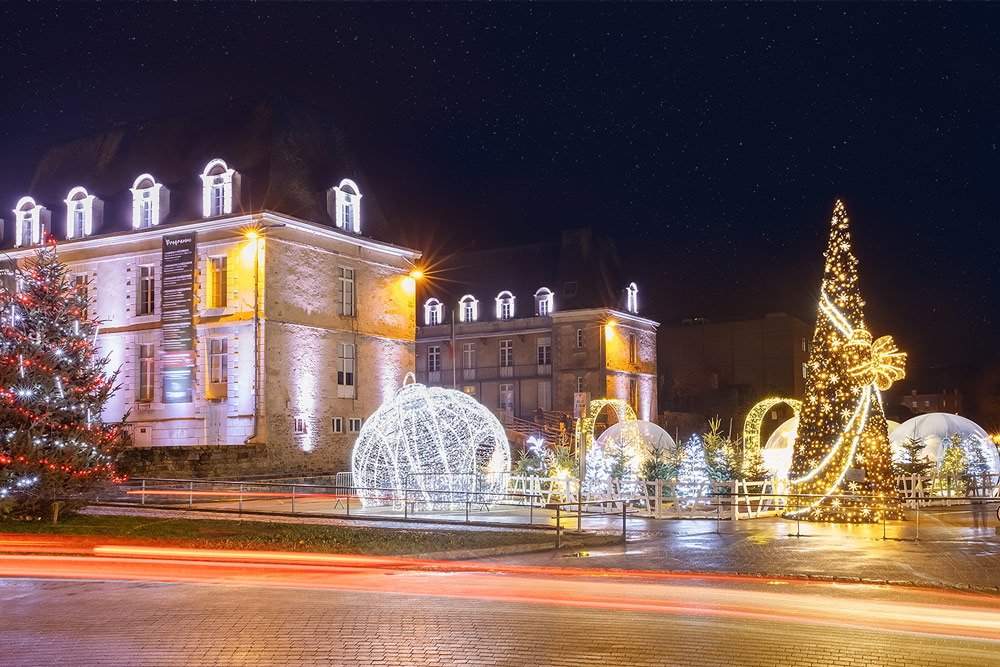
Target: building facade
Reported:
[(526, 329), (249, 340)]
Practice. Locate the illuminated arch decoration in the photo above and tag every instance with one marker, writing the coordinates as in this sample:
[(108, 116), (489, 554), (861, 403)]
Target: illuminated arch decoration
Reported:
[(751, 427), (622, 409), (439, 445)]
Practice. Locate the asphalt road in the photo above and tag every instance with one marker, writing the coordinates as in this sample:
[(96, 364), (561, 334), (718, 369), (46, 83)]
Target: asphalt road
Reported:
[(209, 609)]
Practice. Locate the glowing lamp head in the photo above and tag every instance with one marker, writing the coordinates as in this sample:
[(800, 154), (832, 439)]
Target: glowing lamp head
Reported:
[(609, 329), (409, 285), (416, 274), (252, 235)]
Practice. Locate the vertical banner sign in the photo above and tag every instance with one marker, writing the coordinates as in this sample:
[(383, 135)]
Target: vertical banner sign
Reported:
[(177, 308)]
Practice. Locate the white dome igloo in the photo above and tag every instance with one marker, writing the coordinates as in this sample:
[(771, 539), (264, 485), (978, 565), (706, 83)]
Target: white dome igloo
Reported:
[(439, 445), (933, 428), (777, 452)]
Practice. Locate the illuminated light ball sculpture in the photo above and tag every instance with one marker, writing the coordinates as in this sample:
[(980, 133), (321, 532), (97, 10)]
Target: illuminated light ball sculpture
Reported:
[(438, 447)]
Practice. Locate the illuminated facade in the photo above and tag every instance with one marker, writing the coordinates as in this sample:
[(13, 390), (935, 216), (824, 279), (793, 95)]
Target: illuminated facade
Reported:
[(238, 326), (525, 329)]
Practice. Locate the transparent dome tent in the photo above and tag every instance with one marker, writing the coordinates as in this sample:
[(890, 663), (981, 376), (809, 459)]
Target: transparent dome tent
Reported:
[(636, 439), (431, 445), (934, 430)]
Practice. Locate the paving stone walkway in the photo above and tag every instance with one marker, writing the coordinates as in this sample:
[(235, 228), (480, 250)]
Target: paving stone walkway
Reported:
[(127, 623)]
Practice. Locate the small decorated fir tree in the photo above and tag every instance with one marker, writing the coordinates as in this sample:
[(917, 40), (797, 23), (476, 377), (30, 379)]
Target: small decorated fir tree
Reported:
[(54, 447), (911, 460), (842, 465)]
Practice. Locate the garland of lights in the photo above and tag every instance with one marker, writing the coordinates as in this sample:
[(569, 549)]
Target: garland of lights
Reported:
[(841, 466), (431, 445)]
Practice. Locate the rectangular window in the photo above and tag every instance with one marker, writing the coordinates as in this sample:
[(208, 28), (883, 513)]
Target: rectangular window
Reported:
[(506, 309), (146, 210), (803, 344), (144, 385), (631, 349), (338, 424), (506, 353), (78, 221), (506, 397), (218, 196), (218, 368), (346, 277), (433, 358), (633, 393), (545, 395), (543, 306), (569, 288), (433, 316), (345, 371), (355, 424), (82, 288), (348, 220), (469, 389), (804, 371), (217, 277), (468, 355), (469, 311), (298, 425), (544, 351), (579, 338), (147, 291), (579, 384), (27, 231)]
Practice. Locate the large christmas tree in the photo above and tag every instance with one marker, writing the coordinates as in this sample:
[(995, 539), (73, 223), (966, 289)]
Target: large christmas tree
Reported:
[(54, 446), (842, 465)]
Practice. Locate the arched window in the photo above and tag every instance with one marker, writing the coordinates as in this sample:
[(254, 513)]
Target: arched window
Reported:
[(31, 221), (220, 188), (468, 308), (150, 201), (433, 312), (632, 298), (344, 206), (505, 305), (544, 302), (81, 210)]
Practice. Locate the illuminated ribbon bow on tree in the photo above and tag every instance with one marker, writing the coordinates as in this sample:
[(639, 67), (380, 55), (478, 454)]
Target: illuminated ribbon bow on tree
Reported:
[(879, 363)]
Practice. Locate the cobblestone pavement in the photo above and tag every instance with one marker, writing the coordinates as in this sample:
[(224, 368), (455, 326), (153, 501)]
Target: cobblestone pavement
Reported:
[(128, 623)]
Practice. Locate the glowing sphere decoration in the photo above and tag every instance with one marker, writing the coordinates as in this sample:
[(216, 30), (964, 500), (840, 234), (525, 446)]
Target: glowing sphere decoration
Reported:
[(933, 430), (435, 446)]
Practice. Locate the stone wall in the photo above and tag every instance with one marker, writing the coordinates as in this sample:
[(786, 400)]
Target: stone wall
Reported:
[(202, 462)]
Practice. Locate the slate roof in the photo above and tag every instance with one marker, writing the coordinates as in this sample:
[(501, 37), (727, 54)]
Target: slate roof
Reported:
[(288, 155), (581, 257)]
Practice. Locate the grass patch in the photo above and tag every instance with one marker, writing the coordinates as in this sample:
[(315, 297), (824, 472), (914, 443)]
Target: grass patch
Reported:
[(269, 536)]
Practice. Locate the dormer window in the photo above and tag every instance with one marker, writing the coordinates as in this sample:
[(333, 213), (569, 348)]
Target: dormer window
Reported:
[(81, 210), (344, 206), (220, 188), (632, 298), (433, 312), (31, 221), (150, 201), (505, 305), (543, 302), (468, 308)]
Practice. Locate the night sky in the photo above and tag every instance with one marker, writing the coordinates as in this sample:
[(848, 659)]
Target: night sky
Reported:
[(709, 140)]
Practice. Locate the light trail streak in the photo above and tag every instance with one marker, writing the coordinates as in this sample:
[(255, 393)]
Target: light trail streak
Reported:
[(734, 596)]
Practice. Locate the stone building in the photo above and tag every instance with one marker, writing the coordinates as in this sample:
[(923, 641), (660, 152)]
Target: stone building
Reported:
[(526, 328), (227, 253)]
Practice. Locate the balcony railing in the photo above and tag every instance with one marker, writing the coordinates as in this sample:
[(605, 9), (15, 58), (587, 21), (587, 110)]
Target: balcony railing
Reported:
[(521, 371)]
